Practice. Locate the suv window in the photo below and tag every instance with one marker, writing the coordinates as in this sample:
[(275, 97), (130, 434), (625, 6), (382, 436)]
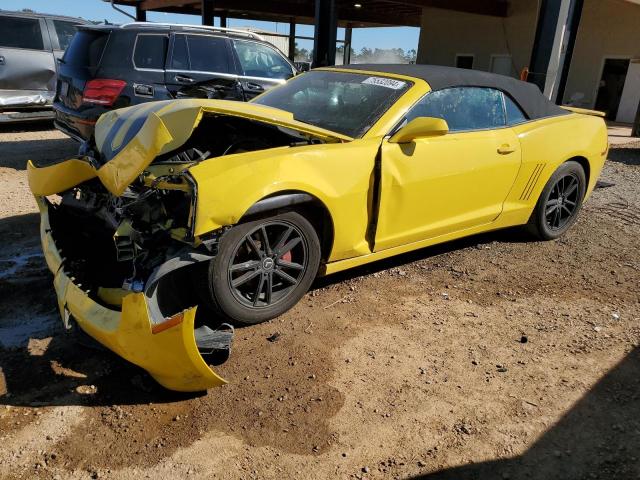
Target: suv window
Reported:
[(208, 54), (85, 49), (16, 32), (464, 108), (65, 32), (180, 55), (150, 51), (259, 60)]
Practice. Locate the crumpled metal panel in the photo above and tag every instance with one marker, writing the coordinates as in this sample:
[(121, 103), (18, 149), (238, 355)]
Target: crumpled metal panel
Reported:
[(27, 72), (17, 98), (170, 355), (129, 139)]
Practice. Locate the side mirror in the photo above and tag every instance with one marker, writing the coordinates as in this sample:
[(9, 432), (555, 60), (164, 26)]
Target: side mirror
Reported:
[(420, 127)]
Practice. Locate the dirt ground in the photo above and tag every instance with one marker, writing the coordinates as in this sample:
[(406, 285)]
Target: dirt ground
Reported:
[(494, 357)]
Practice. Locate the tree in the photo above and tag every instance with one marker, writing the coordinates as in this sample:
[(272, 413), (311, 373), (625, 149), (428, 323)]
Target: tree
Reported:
[(383, 55), (301, 54), (411, 55)]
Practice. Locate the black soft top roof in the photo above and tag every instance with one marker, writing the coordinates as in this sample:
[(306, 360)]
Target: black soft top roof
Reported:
[(527, 95)]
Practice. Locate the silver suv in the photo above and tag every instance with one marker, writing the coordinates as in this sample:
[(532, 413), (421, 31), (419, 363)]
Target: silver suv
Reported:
[(30, 43)]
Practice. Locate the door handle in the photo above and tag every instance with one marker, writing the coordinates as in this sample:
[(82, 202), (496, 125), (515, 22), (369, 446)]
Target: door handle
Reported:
[(256, 87), (143, 90), (506, 149), (184, 79), (2, 60)]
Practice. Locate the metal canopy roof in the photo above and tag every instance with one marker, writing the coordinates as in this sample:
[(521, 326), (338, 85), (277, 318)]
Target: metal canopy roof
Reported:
[(371, 13)]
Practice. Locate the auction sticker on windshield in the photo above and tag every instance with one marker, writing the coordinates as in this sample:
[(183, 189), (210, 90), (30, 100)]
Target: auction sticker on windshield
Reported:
[(385, 82)]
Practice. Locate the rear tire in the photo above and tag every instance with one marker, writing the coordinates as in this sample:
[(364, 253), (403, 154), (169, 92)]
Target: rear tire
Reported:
[(559, 203), (263, 268)]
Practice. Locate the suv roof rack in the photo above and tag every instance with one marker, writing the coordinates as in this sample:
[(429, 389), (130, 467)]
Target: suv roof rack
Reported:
[(197, 27)]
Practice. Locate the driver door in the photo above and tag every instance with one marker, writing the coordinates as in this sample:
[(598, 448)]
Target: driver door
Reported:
[(439, 185)]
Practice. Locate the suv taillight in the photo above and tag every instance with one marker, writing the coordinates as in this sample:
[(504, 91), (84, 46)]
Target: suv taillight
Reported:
[(102, 91)]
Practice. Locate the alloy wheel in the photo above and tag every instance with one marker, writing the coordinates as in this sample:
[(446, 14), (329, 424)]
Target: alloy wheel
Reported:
[(562, 202), (267, 264)]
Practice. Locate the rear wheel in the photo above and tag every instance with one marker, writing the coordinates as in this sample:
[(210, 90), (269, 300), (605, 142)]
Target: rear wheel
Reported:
[(560, 202), (263, 268)]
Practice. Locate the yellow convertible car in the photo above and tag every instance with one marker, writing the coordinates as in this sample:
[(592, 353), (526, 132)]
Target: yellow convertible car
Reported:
[(190, 213)]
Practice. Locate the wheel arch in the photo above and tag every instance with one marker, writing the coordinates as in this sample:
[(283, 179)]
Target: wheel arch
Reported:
[(304, 203), (584, 163)]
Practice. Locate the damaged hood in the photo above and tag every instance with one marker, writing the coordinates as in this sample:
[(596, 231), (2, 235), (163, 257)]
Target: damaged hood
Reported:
[(129, 139)]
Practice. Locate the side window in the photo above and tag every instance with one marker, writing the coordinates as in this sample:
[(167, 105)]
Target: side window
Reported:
[(180, 55), (464, 108), (16, 32), (65, 32), (150, 51), (208, 54), (514, 114), (258, 60)]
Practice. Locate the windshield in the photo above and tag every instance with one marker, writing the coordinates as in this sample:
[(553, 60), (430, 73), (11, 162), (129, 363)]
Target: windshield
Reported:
[(347, 103)]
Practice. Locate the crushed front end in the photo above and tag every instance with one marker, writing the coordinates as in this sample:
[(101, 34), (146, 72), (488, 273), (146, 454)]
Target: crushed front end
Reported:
[(118, 229), (118, 238), (126, 272)]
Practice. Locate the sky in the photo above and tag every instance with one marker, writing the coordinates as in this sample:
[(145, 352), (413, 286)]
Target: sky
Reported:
[(390, 37)]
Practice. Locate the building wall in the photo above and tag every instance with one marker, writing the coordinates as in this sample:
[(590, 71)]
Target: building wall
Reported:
[(608, 29), (445, 33)]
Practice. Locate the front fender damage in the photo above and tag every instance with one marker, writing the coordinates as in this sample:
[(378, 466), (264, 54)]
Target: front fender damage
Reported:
[(165, 347)]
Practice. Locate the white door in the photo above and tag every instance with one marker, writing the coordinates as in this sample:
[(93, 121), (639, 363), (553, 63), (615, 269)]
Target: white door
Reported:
[(502, 65), (630, 94)]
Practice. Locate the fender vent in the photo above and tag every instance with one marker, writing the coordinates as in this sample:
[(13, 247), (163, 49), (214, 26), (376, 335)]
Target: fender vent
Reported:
[(533, 179)]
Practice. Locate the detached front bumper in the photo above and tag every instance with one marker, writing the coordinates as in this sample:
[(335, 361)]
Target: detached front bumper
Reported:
[(170, 355)]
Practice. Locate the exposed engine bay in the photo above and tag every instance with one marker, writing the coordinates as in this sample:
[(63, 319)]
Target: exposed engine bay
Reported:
[(142, 241)]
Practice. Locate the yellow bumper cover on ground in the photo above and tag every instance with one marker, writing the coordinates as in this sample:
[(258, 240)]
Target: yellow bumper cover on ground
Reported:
[(171, 356)]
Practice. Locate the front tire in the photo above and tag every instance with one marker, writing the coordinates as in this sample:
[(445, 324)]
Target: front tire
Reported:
[(560, 202), (263, 268)]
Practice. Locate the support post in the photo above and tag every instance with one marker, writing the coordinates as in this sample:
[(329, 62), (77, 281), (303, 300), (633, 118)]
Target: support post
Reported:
[(223, 20), (555, 38), (141, 15), (575, 13), (206, 8), (292, 39), (346, 59), (635, 131), (326, 33)]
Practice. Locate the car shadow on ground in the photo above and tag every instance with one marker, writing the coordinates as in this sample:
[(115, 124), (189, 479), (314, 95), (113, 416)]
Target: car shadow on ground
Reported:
[(598, 438), (15, 155), (38, 145), (480, 241), (20, 127), (63, 371), (628, 156), (68, 372)]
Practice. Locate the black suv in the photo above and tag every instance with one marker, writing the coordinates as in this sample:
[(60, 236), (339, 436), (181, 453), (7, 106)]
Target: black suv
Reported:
[(110, 66)]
